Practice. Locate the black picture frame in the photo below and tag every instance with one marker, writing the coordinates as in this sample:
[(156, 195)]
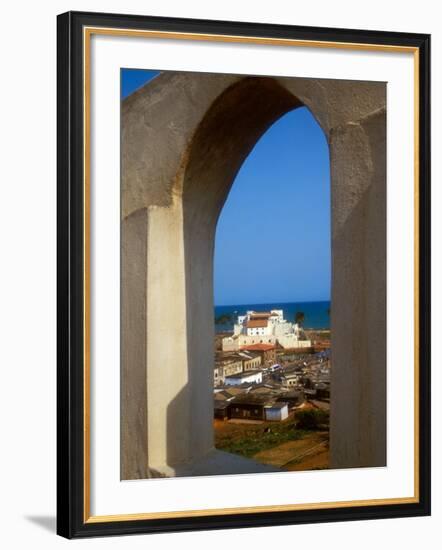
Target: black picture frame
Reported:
[(71, 520)]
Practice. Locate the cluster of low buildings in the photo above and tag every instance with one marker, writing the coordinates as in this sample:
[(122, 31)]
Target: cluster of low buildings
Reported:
[(264, 381), (261, 402), (231, 366)]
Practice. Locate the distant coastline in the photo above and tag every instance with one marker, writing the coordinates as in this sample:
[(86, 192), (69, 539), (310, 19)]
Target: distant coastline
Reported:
[(316, 314)]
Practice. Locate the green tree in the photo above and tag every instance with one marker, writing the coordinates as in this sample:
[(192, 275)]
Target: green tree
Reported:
[(311, 419), (299, 317), (223, 319)]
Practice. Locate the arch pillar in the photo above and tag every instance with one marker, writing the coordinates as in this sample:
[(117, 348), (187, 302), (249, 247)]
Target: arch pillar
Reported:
[(358, 317)]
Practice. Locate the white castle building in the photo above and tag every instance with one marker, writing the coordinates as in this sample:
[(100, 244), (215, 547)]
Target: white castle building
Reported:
[(267, 327)]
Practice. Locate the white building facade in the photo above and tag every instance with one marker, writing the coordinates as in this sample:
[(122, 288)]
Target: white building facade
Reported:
[(268, 327), (276, 412)]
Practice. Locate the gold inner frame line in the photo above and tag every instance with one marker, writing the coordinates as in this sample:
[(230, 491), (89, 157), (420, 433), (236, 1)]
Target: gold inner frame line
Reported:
[(87, 33)]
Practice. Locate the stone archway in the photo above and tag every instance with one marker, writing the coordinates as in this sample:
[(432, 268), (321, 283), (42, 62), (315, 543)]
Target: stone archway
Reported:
[(184, 137)]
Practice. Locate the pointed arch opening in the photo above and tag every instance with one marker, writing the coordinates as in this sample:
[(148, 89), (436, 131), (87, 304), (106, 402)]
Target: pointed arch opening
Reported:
[(184, 139)]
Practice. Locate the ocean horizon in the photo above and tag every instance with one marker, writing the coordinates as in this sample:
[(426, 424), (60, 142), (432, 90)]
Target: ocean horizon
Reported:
[(316, 314)]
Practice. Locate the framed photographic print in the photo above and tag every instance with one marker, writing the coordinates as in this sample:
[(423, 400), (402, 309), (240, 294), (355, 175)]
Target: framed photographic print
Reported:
[(243, 274)]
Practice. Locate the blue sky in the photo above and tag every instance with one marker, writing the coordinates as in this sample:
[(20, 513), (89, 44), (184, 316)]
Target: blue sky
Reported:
[(273, 235)]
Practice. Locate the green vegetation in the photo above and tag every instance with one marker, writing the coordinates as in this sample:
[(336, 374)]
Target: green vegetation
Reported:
[(223, 319), (249, 441), (312, 419), (299, 317)]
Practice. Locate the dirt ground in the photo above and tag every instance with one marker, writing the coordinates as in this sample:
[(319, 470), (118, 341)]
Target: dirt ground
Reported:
[(318, 461), (304, 450), (298, 455)]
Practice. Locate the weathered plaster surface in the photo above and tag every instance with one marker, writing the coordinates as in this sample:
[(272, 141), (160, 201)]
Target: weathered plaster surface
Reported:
[(184, 137), (358, 412), (133, 350)]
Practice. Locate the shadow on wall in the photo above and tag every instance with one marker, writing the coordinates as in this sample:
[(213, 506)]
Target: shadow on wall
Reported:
[(178, 451)]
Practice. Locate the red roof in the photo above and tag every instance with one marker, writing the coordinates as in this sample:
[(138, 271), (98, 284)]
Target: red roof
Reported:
[(258, 347), (260, 315), (257, 323)]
